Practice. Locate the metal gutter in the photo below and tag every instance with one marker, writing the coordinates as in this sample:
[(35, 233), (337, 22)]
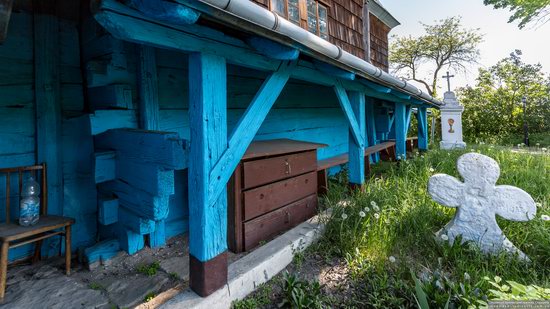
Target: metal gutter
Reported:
[(250, 12)]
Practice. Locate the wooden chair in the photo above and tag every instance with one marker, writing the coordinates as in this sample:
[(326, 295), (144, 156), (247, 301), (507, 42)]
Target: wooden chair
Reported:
[(13, 235)]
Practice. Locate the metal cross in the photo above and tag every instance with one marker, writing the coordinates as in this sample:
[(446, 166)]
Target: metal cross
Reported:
[(448, 77)]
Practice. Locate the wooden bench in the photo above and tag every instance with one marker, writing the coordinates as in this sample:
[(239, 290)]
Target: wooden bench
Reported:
[(412, 143), (13, 235), (386, 150)]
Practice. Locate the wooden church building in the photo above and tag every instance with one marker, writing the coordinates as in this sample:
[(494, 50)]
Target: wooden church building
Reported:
[(155, 118)]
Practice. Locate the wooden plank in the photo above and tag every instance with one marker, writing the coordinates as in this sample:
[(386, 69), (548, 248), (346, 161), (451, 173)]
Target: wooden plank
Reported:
[(271, 224), (107, 210), (164, 149), (102, 251), (357, 150), (135, 223), (146, 177), (118, 96), (158, 237), (104, 120), (262, 200), (105, 166), (273, 147), (260, 172), (207, 222), (48, 107), (148, 89), (247, 127)]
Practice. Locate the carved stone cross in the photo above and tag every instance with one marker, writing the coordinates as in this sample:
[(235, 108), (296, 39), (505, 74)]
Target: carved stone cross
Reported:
[(448, 77), (479, 200)]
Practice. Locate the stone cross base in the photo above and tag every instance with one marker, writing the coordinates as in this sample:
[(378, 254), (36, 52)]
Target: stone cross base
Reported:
[(452, 145)]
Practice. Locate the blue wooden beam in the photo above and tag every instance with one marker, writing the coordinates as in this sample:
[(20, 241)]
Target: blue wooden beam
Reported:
[(400, 95), (422, 117), (208, 126), (376, 87), (371, 126), (333, 71), (400, 115), (408, 117), (130, 25), (247, 127), (166, 11), (273, 49), (357, 150), (148, 89), (343, 99)]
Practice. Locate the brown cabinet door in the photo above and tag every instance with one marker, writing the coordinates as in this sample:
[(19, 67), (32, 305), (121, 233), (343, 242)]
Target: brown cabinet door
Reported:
[(271, 224), (264, 199), (260, 172)]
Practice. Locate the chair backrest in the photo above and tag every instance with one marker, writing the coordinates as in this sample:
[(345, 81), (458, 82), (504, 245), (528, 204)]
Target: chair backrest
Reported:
[(21, 172)]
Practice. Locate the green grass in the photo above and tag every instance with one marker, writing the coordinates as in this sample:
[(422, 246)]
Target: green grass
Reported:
[(149, 270), (382, 247)]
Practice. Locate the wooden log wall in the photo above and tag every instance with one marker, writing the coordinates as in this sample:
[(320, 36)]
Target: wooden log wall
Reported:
[(19, 119)]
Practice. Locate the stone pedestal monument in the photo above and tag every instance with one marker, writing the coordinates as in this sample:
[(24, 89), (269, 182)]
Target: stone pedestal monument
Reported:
[(451, 122)]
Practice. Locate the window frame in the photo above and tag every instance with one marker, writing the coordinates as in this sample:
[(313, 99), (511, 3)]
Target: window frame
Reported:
[(304, 15)]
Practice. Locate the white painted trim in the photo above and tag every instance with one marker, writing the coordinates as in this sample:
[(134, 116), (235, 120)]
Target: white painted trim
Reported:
[(246, 274)]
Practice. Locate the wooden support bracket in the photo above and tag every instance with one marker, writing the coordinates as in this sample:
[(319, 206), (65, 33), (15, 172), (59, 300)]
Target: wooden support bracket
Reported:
[(348, 111)]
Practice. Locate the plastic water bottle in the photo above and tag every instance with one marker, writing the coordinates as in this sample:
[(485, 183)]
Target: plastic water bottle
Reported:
[(29, 206)]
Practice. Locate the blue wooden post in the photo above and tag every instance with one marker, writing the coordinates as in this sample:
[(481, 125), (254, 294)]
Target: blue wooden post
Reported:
[(208, 126), (400, 123), (422, 117), (371, 127), (356, 150)]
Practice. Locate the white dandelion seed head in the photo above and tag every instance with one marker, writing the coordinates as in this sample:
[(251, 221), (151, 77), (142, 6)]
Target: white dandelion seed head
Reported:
[(467, 276), (362, 214), (539, 205), (366, 209), (344, 216), (392, 259), (432, 170), (372, 203), (444, 237), (377, 216), (376, 208), (545, 217), (544, 149), (422, 156), (537, 144)]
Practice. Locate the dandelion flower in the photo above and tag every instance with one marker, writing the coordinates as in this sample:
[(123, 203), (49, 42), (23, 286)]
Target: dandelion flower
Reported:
[(344, 203), (545, 218), (467, 276), (377, 216), (372, 203), (537, 144), (432, 170), (392, 259), (422, 156), (472, 150), (444, 237), (544, 149), (362, 214), (366, 209), (539, 205), (376, 208), (417, 153), (344, 216), (519, 145)]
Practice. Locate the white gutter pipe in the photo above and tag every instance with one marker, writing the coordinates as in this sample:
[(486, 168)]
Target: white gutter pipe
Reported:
[(254, 13)]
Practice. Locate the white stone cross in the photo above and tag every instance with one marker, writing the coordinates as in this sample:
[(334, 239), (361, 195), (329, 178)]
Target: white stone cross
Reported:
[(479, 200)]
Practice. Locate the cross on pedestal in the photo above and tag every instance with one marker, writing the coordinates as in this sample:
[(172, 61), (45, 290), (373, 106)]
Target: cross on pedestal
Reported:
[(448, 78)]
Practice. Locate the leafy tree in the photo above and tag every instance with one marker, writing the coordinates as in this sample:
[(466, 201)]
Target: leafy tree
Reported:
[(445, 44), (524, 10), (493, 107)]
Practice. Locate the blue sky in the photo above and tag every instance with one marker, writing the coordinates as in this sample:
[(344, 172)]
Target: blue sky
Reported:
[(501, 38)]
